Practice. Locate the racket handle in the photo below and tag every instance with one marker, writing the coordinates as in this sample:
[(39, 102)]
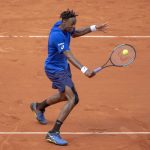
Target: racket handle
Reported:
[(96, 70)]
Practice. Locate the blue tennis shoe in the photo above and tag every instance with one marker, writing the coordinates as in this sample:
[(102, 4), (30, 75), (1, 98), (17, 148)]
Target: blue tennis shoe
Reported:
[(39, 114), (55, 138)]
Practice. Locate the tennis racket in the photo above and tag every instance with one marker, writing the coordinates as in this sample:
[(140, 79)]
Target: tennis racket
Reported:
[(121, 56)]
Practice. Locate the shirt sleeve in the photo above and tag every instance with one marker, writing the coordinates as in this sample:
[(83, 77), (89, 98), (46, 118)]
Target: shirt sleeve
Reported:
[(60, 43)]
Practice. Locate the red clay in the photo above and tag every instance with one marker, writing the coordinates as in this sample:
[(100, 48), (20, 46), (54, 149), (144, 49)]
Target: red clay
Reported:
[(117, 99)]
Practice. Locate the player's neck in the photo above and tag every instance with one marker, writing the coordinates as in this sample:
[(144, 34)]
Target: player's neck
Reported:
[(62, 27)]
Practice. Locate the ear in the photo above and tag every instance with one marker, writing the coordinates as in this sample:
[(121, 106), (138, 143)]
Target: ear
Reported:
[(64, 20)]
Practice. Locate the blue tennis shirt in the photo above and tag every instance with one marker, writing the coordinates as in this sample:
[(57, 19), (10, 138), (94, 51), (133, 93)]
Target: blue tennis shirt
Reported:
[(58, 42)]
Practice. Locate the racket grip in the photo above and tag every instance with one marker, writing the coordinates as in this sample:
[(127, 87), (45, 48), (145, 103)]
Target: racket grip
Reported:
[(97, 69)]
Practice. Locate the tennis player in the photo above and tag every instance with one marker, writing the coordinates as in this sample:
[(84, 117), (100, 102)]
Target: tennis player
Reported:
[(58, 71)]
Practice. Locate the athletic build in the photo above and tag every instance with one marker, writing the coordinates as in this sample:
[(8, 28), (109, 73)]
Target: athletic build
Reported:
[(58, 71)]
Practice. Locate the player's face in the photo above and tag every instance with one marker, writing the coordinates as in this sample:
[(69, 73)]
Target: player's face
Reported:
[(70, 24)]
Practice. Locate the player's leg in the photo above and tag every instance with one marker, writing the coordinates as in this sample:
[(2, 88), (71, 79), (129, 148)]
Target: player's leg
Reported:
[(56, 98), (39, 108), (72, 99)]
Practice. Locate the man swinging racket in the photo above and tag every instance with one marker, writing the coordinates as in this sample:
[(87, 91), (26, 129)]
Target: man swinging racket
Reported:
[(58, 71)]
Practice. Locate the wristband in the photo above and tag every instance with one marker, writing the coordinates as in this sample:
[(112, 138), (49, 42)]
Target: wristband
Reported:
[(93, 28), (84, 69)]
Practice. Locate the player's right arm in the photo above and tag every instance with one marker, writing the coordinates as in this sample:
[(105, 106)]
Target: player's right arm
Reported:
[(64, 48), (76, 63)]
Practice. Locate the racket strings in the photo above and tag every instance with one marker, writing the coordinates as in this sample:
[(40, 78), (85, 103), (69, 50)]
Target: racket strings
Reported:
[(123, 55)]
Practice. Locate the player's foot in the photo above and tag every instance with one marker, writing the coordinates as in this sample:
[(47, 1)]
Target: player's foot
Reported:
[(39, 114), (55, 138)]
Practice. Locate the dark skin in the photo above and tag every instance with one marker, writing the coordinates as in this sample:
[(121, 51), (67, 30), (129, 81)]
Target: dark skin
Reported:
[(68, 95), (68, 25)]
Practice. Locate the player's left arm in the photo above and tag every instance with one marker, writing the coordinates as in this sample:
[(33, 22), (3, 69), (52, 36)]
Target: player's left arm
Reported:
[(86, 30)]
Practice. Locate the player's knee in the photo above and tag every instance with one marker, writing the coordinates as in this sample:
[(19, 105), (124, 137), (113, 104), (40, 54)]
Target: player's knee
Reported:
[(76, 99)]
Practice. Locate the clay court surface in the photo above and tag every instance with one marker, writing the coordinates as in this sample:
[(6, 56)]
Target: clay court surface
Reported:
[(115, 100)]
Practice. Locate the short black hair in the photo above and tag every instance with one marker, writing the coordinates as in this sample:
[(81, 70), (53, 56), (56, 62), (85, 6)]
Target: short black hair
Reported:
[(68, 14)]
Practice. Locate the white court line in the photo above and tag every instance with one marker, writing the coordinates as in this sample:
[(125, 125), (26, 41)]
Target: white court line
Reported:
[(90, 36), (77, 133), (111, 36)]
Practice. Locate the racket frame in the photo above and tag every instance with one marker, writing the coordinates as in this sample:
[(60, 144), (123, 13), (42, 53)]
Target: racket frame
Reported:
[(96, 70)]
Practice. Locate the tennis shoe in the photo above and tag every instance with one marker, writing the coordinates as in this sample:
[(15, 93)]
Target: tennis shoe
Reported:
[(39, 114), (54, 137)]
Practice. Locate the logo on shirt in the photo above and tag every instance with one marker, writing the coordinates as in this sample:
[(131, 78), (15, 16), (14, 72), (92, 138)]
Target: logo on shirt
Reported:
[(61, 45)]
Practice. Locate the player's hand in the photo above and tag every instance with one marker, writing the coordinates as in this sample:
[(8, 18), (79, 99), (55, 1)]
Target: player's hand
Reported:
[(102, 27), (89, 73)]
